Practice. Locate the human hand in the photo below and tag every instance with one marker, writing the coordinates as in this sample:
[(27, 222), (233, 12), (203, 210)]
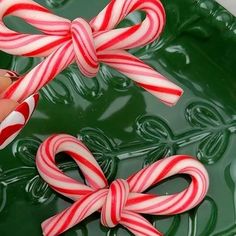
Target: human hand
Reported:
[(6, 105)]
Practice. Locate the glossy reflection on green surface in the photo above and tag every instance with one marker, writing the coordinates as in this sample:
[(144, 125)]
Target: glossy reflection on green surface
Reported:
[(127, 128)]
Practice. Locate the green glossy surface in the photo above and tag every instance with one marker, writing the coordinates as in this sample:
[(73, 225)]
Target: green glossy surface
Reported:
[(127, 128)]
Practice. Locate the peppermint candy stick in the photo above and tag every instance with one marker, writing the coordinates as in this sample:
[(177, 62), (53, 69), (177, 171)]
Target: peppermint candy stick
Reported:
[(16, 120), (14, 116), (123, 201), (64, 42)]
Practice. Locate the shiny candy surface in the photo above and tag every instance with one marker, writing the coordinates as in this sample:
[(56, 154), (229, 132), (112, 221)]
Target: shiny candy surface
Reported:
[(87, 43), (13, 116), (126, 128), (62, 42), (16, 120), (122, 202)]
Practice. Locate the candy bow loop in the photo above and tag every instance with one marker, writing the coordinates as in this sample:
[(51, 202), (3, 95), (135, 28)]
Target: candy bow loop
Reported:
[(92, 172), (123, 201), (63, 42)]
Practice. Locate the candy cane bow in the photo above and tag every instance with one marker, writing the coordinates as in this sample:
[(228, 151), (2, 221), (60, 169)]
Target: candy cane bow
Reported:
[(64, 41), (89, 44), (123, 201)]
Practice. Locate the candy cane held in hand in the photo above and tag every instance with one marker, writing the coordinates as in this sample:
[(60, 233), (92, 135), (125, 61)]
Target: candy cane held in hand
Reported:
[(122, 202), (15, 120), (64, 42)]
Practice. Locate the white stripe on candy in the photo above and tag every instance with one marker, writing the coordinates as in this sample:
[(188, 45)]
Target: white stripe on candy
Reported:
[(16, 120), (64, 42), (122, 202)]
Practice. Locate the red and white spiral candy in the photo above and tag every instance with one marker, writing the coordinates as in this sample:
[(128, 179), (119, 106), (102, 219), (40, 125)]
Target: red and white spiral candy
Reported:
[(17, 119), (123, 201), (89, 44)]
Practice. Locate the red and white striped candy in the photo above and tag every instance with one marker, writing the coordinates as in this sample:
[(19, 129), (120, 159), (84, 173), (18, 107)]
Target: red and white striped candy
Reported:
[(89, 44), (122, 202), (16, 120)]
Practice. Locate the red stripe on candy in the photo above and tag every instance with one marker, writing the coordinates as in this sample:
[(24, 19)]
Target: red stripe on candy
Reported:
[(161, 89), (25, 6), (122, 202)]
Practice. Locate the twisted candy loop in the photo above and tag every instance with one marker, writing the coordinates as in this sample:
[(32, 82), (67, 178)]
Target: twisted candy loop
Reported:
[(122, 202), (87, 43)]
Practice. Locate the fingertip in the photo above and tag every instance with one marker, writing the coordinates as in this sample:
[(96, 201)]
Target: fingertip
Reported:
[(6, 107), (5, 82)]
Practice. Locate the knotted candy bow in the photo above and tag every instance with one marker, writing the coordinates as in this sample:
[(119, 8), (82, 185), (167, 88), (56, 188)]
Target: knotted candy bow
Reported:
[(89, 44), (123, 201)]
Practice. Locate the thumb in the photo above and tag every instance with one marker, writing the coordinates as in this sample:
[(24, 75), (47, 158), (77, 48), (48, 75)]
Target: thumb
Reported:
[(6, 107), (5, 82)]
